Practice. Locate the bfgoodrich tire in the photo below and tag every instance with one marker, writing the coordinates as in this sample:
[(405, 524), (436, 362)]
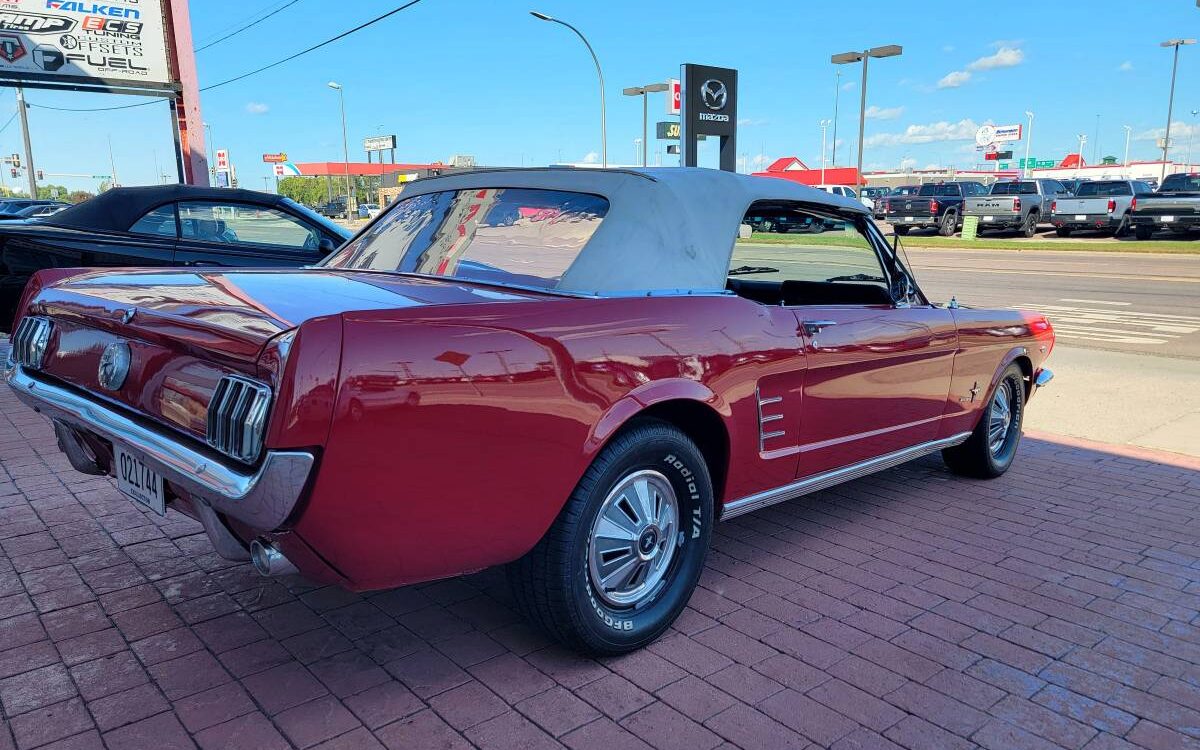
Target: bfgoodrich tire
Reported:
[(622, 559), (990, 450)]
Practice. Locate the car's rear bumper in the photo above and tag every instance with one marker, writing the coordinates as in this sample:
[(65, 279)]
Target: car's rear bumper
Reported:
[(262, 498), (1089, 221), (1013, 221), (1179, 221), (916, 221)]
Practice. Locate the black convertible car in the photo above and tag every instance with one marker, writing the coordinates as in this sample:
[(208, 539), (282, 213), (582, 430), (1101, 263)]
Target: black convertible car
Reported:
[(164, 225)]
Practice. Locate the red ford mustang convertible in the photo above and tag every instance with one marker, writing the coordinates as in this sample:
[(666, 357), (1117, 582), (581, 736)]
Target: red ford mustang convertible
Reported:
[(572, 372)]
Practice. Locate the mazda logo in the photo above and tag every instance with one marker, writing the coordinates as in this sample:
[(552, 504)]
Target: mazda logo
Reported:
[(714, 94), (114, 365)]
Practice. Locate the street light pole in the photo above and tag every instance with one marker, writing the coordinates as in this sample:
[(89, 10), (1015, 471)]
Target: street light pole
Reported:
[(599, 74), (1028, 144), (1079, 161), (642, 91), (837, 93), (212, 155), (824, 124), (889, 50), (1128, 130), (1176, 43), (345, 144), (1191, 134), (29, 171)]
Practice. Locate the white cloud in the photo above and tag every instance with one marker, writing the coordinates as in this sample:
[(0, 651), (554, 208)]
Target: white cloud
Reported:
[(908, 163), (760, 161), (1005, 57), (750, 121), (932, 165), (591, 158), (1178, 130), (849, 85), (257, 108), (1125, 67), (932, 133), (883, 113), (948, 48), (954, 80)]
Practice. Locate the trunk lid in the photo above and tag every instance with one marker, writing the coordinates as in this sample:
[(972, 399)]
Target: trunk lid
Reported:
[(1098, 205), (911, 205), (992, 205), (1169, 204), (185, 330)]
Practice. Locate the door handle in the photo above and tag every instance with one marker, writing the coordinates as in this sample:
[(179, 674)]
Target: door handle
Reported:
[(813, 327)]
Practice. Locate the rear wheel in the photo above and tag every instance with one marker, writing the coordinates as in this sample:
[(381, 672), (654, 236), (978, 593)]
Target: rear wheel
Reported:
[(948, 224), (993, 444), (622, 559), (1063, 232), (1029, 227), (1143, 232)]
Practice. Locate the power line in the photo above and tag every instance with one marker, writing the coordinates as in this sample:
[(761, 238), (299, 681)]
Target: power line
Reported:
[(5, 126), (247, 26), (256, 71), (267, 8)]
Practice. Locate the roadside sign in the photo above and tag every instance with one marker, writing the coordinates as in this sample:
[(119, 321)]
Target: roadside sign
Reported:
[(222, 159), (675, 96), (378, 143), (970, 228), (669, 131), (278, 158), (279, 170), (222, 178)]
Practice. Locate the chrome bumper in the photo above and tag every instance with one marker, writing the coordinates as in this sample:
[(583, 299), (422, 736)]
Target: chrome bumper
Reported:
[(262, 499)]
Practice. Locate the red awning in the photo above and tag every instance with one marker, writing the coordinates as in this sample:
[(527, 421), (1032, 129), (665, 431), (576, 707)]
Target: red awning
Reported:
[(338, 168)]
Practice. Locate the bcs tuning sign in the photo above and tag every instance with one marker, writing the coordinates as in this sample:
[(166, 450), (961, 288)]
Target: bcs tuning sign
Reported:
[(119, 43)]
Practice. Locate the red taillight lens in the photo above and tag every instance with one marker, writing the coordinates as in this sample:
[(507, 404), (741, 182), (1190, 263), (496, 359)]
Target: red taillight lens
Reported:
[(887, 206), (933, 207), (1133, 205), (1053, 206), (1112, 205)]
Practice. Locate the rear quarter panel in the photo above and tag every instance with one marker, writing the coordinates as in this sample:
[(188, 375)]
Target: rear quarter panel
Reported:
[(458, 434)]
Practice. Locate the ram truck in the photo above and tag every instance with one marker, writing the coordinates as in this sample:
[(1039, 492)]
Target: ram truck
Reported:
[(935, 206), (1175, 206), (1102, 205), (1016, 205)]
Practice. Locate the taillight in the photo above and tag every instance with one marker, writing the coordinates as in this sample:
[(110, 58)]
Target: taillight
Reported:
[(1112, 205), (933, 207), (887, 206), (1133, 205), (1053, 206), (1016, 205)]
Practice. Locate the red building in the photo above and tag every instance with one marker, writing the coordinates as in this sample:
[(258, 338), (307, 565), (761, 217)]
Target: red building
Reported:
[(792, 168)]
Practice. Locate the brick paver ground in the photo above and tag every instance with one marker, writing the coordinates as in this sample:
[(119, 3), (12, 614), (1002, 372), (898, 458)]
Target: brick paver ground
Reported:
[(1056, 607)]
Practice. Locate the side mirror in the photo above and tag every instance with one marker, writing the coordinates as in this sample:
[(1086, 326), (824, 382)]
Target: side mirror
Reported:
[(326, 246)]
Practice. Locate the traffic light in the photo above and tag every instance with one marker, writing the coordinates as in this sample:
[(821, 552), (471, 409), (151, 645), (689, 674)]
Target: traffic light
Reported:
[(14, 172), (16, 160)]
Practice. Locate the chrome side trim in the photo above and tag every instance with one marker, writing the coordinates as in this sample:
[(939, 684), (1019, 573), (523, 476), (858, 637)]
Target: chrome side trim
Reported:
[(262, 498), (837, 476), (763, 419)]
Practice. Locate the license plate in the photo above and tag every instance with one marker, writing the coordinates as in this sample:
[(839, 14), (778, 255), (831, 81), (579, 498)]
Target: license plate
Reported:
[(1080, 217), (989, 218), (141, 483), (1168, 218), (910, 218)]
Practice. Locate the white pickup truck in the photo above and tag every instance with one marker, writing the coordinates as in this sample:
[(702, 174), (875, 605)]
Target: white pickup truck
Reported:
[(1015, 205), (1102, 205)]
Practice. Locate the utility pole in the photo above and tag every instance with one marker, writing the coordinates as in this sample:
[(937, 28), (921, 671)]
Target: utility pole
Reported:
[(1128, 130), (30, 172), (837, 92), (1166, 147)]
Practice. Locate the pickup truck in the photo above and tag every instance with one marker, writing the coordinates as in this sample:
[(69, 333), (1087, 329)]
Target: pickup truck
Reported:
[(1175, 206), (1015, 205), (1100, 204), (935, 206), (896, 192)]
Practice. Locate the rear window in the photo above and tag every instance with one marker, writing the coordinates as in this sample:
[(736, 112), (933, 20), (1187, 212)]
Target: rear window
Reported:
[(1186, 182), (1014, 188), (938, 190), (514, 236), (1103, 189)]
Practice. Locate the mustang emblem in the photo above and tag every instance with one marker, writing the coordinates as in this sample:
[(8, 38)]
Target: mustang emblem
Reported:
[(114, 365), (713, 94)]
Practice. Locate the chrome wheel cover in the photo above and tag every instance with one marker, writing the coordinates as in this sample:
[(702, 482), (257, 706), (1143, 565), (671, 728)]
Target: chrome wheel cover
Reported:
[(1000, 417), (634, 539)]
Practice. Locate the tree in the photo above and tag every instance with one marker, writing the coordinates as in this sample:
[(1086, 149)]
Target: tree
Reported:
[(307, 190), (52, 192)]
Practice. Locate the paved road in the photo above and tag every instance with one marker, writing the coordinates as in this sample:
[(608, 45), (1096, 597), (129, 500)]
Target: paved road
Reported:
[(1127, 302)]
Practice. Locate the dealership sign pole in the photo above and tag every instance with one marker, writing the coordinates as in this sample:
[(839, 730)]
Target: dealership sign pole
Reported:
[(709, 99)]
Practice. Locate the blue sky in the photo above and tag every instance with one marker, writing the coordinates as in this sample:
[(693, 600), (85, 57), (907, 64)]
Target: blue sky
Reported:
[(482, 77)]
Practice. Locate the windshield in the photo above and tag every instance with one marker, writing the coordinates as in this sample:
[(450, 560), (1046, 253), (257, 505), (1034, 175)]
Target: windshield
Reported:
[(1014, 188), (317, 218), (1181, 182), (512, 236), (1103, 189)]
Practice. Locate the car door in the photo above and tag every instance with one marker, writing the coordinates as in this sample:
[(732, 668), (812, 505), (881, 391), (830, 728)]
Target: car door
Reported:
[(878, 370), (241, 234)]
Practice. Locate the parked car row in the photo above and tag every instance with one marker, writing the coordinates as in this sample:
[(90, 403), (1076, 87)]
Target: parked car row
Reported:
[(1025, 206)]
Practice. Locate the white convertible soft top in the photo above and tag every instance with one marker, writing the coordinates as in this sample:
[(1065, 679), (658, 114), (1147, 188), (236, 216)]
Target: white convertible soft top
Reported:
[(668, 229)]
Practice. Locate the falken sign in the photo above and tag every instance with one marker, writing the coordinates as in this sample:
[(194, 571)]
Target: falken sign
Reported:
[(117, 43)]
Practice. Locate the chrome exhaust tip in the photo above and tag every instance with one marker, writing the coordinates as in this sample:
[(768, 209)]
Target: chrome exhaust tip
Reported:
[(269, 561)]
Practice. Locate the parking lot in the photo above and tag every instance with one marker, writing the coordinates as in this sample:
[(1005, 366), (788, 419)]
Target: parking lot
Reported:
[(1055, 607)]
